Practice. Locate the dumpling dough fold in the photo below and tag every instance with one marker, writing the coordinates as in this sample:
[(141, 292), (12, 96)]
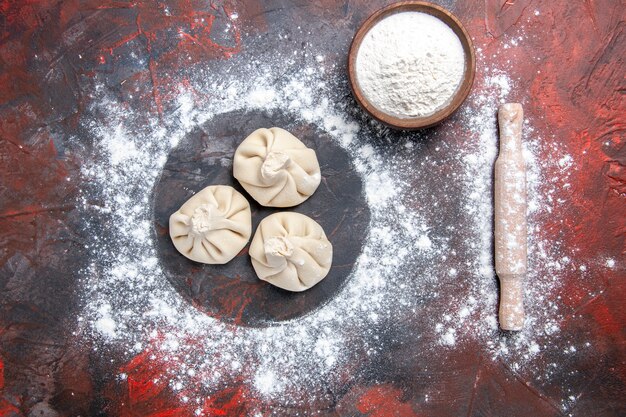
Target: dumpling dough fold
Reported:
[(212, 226), (276, 168), (291, 251)]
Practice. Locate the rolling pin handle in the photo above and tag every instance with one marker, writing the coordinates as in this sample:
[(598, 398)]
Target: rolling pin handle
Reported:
[(511, 302)]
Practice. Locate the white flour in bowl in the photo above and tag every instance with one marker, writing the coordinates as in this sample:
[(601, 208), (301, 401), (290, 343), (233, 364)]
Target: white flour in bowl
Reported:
[(410, 64)]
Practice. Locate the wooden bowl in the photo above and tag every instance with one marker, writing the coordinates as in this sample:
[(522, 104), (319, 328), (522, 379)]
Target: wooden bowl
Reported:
[(460, 95)]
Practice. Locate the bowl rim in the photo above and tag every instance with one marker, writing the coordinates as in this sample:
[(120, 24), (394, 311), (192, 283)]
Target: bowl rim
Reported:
[(468, 76)]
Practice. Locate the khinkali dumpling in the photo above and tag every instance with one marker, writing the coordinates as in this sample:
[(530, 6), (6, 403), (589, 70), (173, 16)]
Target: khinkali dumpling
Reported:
[(291, 251), (275, 168), (212, 226)]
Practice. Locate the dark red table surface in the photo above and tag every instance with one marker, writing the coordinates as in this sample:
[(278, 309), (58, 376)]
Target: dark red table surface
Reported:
[(569, 66)]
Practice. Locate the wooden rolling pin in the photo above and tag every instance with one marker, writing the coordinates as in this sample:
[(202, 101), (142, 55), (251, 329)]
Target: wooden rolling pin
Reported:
[(510, 217)]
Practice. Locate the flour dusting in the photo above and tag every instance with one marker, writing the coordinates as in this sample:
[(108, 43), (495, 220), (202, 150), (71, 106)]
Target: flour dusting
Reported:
[(129, 305)]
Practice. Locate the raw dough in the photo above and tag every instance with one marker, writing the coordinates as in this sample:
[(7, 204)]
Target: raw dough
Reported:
[(291, 251), (275, 168), (212, 226)]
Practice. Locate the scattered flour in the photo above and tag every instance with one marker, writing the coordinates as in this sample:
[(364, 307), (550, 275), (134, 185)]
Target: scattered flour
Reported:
[(105, 324), (129, 304)]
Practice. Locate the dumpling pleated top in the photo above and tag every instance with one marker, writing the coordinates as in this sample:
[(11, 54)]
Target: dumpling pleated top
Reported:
[(212, 226), (276, 168), (291, 251)]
